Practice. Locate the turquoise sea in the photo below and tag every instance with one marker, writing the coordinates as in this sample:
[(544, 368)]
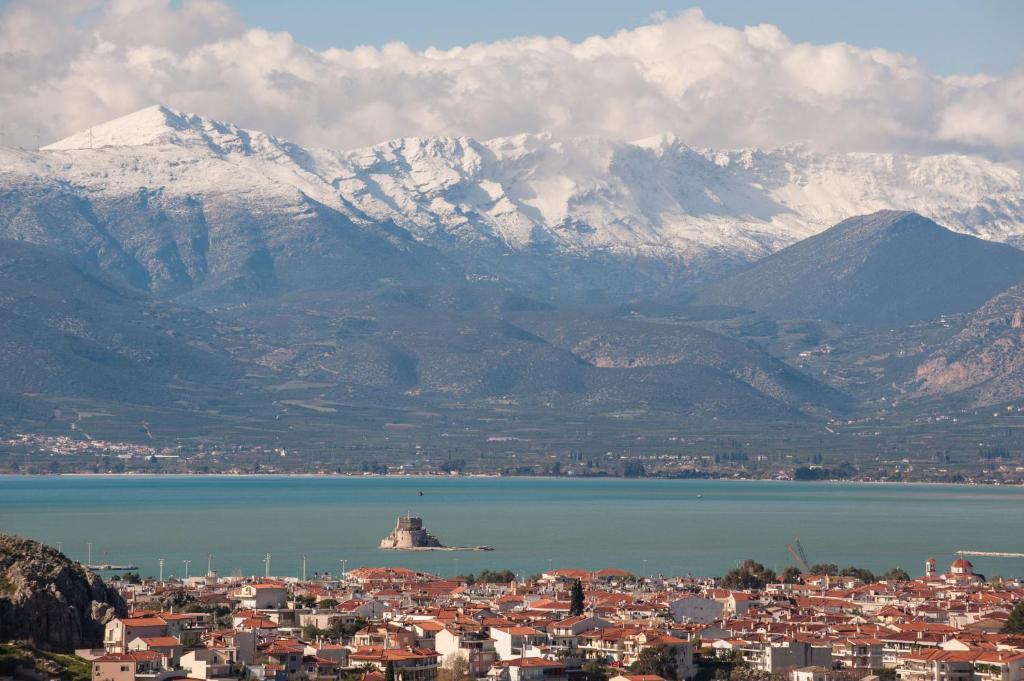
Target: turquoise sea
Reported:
[(674, 527)]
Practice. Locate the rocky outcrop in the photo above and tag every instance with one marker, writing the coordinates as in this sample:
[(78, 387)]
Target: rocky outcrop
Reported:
[(983, 364), (50, 600)]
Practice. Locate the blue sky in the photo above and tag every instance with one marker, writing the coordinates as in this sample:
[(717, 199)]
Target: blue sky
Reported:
[(965, 36), (668, 67)]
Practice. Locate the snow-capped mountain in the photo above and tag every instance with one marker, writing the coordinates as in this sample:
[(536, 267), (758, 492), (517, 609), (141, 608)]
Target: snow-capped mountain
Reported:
[(174, 202)]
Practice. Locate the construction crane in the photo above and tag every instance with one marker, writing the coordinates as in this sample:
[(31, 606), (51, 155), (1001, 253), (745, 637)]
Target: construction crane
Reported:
[(796, 550)]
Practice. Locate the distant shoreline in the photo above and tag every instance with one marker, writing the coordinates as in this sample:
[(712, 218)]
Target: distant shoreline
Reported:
[(463, 476)]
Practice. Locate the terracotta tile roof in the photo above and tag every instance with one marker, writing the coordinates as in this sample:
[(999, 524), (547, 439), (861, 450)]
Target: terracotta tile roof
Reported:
[(161, 641)]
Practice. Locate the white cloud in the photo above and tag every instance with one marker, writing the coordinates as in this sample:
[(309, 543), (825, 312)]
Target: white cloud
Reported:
[(67, 65)]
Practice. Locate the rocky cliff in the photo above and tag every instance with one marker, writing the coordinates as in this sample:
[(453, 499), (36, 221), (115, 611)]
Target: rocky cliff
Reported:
[(50, 600), (983, 364)]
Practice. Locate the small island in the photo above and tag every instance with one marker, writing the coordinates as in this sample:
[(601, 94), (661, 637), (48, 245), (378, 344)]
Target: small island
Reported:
[(410, 535)]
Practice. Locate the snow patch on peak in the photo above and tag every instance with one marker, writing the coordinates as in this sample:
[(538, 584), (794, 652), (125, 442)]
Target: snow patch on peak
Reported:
[(152, 125), (581, 195), (161, 125), (661, 144)]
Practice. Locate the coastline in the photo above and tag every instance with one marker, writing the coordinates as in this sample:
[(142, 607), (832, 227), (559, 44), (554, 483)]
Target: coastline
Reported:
[(477, 476)]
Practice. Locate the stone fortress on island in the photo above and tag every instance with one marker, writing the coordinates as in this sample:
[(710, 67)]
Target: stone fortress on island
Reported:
[(410, 535)]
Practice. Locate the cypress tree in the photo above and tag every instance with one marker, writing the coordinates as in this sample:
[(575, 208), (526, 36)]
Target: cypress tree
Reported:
[(576, 599), (1015, 624)]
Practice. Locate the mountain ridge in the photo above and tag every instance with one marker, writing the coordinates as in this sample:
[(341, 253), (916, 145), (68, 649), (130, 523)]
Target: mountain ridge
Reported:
[(545, 202), (885, 268)]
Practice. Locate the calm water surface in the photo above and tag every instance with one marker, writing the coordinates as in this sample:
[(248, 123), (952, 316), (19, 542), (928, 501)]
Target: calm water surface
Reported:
[(677, 527)]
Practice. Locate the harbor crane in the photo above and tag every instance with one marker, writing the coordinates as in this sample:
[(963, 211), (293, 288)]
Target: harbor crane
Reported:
[(796, 550)]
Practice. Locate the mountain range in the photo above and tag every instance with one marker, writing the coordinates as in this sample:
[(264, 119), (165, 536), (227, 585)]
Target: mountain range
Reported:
[(215, 283), (174, 203)]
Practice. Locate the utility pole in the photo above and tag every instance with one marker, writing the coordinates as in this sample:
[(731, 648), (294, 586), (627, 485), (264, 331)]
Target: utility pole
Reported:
[(161, 570), (186, 562)]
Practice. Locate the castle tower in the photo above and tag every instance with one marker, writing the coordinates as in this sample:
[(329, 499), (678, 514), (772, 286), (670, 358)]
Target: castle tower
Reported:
[(409, 533)]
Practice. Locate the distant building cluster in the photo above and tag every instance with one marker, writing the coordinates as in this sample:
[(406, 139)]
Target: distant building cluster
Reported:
[(65, 445), (396, 624)]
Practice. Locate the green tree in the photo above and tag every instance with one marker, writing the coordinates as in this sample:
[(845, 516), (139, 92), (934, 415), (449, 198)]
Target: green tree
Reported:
[(660, 660), (327, 603), (455, 669), (863, 574), (342, 630), (896, 575), (310, 633), (822, 569), (359, 672), (389, 671), (576, 599), (496, 577), (747, 673), (749, 575), (791, 575), (595, 670), (1015, 623)]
